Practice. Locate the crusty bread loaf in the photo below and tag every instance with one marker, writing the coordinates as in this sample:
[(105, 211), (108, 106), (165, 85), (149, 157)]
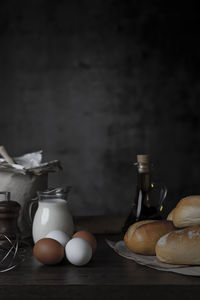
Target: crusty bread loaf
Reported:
[(142, 236), (180, 247), (133, 228), (187, 212)]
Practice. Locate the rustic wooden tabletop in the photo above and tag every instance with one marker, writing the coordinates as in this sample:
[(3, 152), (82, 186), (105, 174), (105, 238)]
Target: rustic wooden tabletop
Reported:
[(107, 276)]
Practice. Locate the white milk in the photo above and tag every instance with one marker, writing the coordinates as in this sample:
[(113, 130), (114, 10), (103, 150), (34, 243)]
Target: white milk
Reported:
[(52, 215)]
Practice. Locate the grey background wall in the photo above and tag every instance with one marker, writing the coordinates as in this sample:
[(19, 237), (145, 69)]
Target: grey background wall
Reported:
[(93, 83)]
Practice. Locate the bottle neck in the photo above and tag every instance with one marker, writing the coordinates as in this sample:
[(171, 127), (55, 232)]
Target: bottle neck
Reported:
[(143, 177), (144, 184), (144, 181)]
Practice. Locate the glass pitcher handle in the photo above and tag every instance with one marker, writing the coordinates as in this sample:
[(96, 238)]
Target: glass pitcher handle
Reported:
[(30, 208)]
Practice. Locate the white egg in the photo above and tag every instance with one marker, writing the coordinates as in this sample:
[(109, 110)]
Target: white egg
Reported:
[(60, 236), (78, 251)]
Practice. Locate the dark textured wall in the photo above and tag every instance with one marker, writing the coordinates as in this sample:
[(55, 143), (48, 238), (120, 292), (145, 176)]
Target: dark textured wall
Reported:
[(95, 82)]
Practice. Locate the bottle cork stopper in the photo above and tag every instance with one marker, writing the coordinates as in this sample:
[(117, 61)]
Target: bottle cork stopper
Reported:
[(143, 158)]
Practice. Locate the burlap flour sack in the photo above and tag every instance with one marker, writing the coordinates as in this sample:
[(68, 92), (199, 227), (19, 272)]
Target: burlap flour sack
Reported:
[(23, 179)]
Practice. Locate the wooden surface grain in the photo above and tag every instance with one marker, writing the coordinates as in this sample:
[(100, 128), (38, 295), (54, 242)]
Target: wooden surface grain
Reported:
[(107, 276), (100, 224)]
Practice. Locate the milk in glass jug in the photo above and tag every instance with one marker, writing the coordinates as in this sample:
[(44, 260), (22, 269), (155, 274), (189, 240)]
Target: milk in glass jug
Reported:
[(52, 213)]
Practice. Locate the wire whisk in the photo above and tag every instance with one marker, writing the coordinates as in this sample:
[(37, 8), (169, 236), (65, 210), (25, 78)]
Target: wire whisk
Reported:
[(12, 252)]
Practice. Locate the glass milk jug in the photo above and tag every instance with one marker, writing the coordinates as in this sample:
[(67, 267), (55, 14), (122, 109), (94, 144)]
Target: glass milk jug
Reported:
[(52, 214)]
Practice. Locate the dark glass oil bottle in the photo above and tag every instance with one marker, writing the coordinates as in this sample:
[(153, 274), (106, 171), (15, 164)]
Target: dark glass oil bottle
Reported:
[(143, 207)]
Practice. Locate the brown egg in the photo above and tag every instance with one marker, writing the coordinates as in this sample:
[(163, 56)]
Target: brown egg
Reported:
[(48, 251), (87, 236)]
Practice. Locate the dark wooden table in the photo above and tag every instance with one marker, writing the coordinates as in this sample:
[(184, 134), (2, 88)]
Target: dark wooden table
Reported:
[(107, 276)]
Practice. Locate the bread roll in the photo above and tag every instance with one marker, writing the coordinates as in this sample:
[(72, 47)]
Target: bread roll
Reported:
[(142, 236), (180, 247), (187, 212), (170, 215)]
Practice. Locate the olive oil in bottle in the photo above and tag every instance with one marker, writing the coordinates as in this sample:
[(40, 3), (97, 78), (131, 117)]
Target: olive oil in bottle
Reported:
[(143, 207)]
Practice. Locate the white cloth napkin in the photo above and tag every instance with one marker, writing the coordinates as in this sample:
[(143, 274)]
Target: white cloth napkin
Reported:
[(152, 261)]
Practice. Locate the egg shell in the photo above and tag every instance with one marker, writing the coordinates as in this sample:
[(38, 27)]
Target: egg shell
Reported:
[(89, 237), (78, 251), (60, 236), (48, 251)]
